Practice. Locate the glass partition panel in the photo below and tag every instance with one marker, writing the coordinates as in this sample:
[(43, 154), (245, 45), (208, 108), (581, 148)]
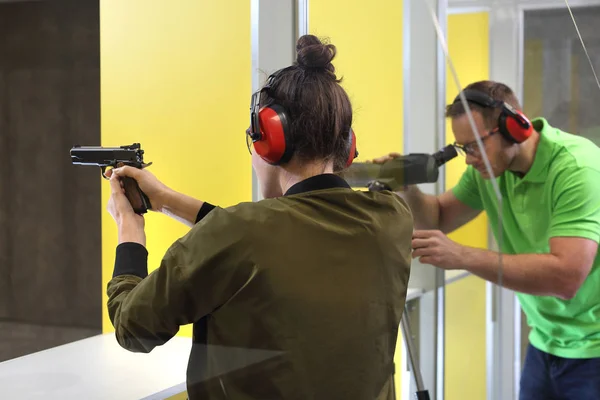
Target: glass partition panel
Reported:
[(558, 81)]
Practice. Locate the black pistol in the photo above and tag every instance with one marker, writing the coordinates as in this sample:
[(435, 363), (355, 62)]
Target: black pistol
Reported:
[(114, 157)]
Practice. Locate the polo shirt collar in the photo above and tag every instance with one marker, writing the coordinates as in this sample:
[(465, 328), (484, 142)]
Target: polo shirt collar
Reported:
[(317, 182), (543, 154)]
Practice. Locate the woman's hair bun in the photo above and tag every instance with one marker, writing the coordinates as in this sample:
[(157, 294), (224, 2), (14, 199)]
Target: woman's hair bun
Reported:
[(312, 53)]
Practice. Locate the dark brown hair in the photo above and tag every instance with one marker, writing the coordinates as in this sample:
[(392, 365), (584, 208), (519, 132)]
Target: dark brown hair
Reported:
[(497, 91), (319, 109)]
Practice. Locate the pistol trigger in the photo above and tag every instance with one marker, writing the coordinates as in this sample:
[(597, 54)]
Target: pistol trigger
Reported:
[(146, 165), (103, 168)]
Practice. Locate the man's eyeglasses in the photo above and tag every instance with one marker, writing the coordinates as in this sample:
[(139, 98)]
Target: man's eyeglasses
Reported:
[(472, 148)]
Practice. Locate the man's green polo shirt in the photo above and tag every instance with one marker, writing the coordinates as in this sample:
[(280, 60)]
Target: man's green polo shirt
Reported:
[(559, 196)]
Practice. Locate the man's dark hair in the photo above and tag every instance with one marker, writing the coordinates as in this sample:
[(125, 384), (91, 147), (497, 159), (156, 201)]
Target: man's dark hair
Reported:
[(318, 107), (496, 90)]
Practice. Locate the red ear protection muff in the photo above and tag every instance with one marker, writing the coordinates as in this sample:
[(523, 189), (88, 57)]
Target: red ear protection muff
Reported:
[(352, 150), (270, 130), (512, 124)]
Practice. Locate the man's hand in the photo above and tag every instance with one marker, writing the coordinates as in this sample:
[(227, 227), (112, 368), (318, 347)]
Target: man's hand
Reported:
[(435, 248), (130, 224), (156, 191), (383, 159)]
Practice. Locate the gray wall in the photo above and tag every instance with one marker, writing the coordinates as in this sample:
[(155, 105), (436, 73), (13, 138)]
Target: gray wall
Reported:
[(574, 109), (50, 234)]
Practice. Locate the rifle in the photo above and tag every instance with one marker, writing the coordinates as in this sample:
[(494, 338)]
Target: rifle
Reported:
[(114, 157)]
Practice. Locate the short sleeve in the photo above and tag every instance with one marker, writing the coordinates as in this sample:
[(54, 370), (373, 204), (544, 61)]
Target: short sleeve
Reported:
[(467, 190), (576, 204)]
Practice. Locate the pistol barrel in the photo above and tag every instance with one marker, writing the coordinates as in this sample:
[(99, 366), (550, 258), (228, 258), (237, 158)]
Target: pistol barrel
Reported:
[(107, 156)]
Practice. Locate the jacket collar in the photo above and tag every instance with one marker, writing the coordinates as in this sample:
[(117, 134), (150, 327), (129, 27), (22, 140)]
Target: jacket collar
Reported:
[(317, 182)]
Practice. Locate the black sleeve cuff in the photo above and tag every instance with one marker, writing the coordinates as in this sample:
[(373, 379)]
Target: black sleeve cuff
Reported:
[(131, 259), (204, 210)]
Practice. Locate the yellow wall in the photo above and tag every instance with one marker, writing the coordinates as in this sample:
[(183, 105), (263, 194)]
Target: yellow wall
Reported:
[(369, 42), (465, 363), (177, 79)]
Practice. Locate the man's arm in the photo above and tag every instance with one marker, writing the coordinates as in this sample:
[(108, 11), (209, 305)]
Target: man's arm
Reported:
[(445, 212), (574, 235), (198, 274), (559, 273), (450, 210)]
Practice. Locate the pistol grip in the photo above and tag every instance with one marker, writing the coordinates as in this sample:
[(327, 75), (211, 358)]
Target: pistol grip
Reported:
[(138, 199)]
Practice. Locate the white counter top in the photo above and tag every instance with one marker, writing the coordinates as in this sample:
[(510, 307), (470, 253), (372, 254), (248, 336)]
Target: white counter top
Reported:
[(96, 368)]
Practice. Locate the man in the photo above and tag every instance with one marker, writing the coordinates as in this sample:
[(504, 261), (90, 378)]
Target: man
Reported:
[(550, 186)]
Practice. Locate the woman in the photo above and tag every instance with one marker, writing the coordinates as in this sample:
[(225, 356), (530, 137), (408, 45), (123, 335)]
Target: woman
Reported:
[(297, 296)]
